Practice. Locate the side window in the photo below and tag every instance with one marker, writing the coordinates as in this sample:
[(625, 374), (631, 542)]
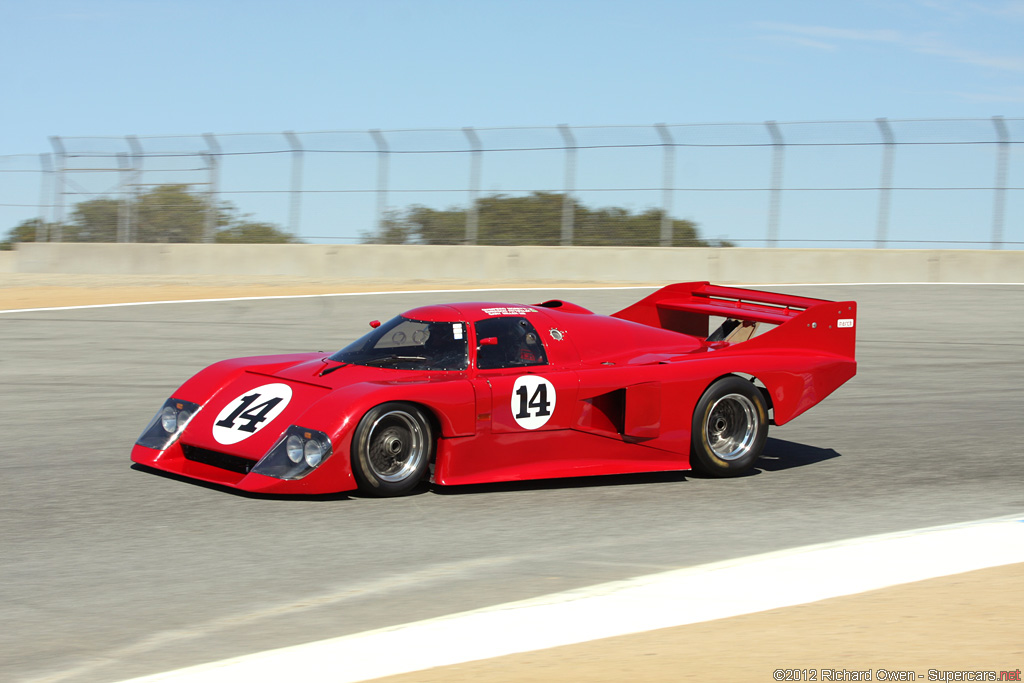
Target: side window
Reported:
[(518, 344)]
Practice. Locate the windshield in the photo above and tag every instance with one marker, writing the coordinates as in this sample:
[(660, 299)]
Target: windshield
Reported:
[(410, 345)]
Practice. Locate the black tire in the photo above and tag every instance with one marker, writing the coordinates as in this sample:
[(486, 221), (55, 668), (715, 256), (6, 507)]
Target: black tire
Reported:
[(391, 449), (730, 427)]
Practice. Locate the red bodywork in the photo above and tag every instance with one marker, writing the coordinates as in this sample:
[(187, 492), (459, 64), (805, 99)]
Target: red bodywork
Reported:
[(626, 388)]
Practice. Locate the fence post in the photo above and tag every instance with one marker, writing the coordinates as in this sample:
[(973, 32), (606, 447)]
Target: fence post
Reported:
[(212, 156), (668, 175), (570, 185), (56, 234), (124, 207), (775, 201), (885, 185), (295, 198), (382, 178), (1002, 172), (45, 192), (475, 164), (136, 180)]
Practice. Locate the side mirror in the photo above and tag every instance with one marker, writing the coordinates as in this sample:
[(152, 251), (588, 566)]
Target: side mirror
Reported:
[(374, 324), (489, 341)]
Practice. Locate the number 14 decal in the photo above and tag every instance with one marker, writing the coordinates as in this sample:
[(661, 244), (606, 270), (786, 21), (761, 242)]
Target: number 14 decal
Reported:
[(250, 412), (533, 401), (251, 417)]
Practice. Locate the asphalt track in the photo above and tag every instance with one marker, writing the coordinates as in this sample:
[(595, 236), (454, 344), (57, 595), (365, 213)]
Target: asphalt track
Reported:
[(108, 572)]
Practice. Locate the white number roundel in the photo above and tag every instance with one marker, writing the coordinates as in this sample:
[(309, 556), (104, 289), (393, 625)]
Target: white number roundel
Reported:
[(533, 401), (250, 412)]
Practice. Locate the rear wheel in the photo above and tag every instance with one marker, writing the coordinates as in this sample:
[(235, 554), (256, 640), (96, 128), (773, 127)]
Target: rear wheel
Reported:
[(391, 449), (730, 427)]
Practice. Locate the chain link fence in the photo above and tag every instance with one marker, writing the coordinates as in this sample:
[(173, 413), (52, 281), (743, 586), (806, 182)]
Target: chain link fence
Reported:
[(881, 183)]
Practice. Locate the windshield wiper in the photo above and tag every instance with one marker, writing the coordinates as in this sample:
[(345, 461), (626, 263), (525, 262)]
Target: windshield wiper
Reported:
[(392, 357)]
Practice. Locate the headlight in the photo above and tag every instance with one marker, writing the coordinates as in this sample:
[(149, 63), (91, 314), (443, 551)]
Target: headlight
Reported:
[(293, 446), (313, 453), (167, 424), (169, 419), (297, 453)]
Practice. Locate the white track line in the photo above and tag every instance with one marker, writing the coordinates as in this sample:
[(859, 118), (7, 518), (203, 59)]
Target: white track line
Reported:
[(675, 598), (311, 296), (495, 289)]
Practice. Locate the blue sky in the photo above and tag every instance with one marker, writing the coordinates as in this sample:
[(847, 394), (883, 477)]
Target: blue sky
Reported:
[(152, 67), (113, 67)]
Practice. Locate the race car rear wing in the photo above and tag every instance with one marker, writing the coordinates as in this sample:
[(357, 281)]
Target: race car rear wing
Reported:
[(802, 322)]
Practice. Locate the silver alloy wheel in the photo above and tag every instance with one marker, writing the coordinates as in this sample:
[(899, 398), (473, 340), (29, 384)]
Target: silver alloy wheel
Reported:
[(731, 426), (396, 446)]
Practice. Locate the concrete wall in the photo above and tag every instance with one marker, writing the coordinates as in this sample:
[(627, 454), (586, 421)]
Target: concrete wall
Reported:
[(518, 265)]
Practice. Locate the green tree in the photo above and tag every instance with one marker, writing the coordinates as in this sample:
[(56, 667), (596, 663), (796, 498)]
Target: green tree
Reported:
[(397, 228), (31, 230), (93, 221), (170, 213), (534, 219), (166, 213), (253, 233)]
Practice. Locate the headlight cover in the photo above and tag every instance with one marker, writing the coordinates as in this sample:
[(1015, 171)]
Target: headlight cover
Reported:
[(168, 423), (297, 453)]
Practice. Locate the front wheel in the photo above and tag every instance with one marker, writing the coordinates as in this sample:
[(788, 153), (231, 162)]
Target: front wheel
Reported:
[(730, 427), (391, 449)]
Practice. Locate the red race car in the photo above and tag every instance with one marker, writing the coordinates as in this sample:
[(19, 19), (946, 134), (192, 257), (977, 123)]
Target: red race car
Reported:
[(486, 392)]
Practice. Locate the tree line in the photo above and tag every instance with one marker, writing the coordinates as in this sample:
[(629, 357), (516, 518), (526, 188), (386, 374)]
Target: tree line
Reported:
[(171, 213), (166, 213), (534, 219)]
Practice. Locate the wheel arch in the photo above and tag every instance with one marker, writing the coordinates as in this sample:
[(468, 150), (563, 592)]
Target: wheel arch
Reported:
[(761, 384), (750, 377)]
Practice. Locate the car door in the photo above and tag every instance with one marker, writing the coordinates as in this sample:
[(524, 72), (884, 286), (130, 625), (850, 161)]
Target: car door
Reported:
[(516, 385)]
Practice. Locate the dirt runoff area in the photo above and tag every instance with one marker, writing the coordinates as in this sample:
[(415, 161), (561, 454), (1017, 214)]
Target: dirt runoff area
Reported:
[(970, 623), (967, 627), (22, 290)]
